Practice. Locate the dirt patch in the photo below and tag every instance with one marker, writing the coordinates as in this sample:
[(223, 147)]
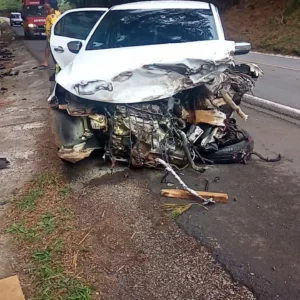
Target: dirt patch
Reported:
[(133, 251), (269, 26)]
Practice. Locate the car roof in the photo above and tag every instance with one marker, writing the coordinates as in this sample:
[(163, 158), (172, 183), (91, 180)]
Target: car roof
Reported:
[(88, 9), (163, 5)]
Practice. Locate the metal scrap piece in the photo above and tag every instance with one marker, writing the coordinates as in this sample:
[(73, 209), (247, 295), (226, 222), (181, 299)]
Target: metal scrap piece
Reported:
[(75, 154), (235, 107), (185, 187)]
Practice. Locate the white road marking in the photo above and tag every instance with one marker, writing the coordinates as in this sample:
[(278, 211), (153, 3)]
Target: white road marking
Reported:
[(276, 55), (269, 65)]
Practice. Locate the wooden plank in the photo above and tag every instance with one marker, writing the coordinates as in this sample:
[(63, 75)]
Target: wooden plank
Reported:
[(10, 289), (181, 194)]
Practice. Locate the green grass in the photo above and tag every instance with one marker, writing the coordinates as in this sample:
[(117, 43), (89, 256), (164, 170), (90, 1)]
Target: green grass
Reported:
[(65, 191), (52, 283), (10, 4), (29, 202), (79, 291), (292, 6), (27, 234), (66, 212), (57, 246), (47, 224), (42, 257), (47, 260), (44, 181)]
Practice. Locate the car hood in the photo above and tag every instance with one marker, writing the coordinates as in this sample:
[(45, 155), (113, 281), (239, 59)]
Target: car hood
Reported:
[(144, 73)]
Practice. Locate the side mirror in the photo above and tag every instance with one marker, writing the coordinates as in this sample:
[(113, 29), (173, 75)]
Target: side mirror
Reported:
[(242, 48), (74, 46)]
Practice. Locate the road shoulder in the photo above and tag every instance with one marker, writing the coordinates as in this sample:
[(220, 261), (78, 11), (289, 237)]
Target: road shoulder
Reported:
[(23, 132)]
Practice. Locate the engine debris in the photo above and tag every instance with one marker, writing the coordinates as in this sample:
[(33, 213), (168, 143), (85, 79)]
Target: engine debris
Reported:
[(194, 125)]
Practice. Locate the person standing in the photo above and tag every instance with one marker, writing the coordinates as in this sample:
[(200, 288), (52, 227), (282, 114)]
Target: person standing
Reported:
[(53, 15)]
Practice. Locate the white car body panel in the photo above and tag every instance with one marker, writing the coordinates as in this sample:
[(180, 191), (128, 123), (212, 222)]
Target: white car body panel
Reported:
[(59, 44), (162, 5), (120, 76)]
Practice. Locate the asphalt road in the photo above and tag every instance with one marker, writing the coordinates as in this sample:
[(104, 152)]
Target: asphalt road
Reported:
[(281, 81), (35, 46), (256, 235)]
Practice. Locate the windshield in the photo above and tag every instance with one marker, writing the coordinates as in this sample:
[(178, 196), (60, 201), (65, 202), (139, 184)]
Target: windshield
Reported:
[(128, 28), (35, 11), (15, 16)]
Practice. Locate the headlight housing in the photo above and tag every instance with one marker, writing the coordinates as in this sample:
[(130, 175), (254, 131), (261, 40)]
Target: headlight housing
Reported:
[(32, 25)]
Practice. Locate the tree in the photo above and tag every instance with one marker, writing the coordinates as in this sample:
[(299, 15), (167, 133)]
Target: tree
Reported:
[(10, 5), (109, 3), (65, 5), (97, 3)]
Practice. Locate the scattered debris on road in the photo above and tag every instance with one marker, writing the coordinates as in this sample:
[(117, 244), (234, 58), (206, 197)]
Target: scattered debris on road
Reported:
[(9, 72), (6, 55), (205, 201), (10, 289), (4, 163), (261, 157), (187, 193), (182, 194), (177, 209)]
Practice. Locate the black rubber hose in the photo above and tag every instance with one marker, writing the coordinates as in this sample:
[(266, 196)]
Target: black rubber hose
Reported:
[(188, 153)]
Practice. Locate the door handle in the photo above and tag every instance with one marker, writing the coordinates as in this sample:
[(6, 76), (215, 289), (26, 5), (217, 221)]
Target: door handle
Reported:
[(59, 49)]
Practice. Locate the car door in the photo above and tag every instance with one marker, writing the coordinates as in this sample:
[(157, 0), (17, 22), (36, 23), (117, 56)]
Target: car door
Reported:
[(73, 25)]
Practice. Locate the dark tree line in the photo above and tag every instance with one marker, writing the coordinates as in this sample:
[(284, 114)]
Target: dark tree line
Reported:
[(108, 3)]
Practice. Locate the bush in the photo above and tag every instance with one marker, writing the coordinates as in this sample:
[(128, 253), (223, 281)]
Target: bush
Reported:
[(292, 6), (10, 5)]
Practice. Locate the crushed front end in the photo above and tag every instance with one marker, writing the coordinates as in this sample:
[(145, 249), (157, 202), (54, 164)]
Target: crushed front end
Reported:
[(195, 124)]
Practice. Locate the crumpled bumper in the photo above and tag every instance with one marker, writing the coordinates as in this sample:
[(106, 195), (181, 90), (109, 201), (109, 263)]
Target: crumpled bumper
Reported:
[(193, 121)]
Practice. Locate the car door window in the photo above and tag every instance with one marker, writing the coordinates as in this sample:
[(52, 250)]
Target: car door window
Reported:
[(77, 25)]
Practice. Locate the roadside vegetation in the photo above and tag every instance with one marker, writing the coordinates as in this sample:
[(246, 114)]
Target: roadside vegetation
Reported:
[(16, 5), (11, 5), (44, 228), (270, 27)]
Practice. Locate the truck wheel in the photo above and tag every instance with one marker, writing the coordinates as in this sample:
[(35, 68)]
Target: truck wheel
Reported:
[(232, 153)]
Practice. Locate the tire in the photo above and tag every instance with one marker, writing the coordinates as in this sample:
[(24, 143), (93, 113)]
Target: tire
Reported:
[(232, 153)]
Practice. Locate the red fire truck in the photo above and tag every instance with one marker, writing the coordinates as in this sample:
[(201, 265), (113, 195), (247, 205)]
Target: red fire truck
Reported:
[(34, 17)]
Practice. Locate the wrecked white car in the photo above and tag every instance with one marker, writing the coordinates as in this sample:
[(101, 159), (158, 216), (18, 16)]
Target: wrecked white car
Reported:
[(150, 79)]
